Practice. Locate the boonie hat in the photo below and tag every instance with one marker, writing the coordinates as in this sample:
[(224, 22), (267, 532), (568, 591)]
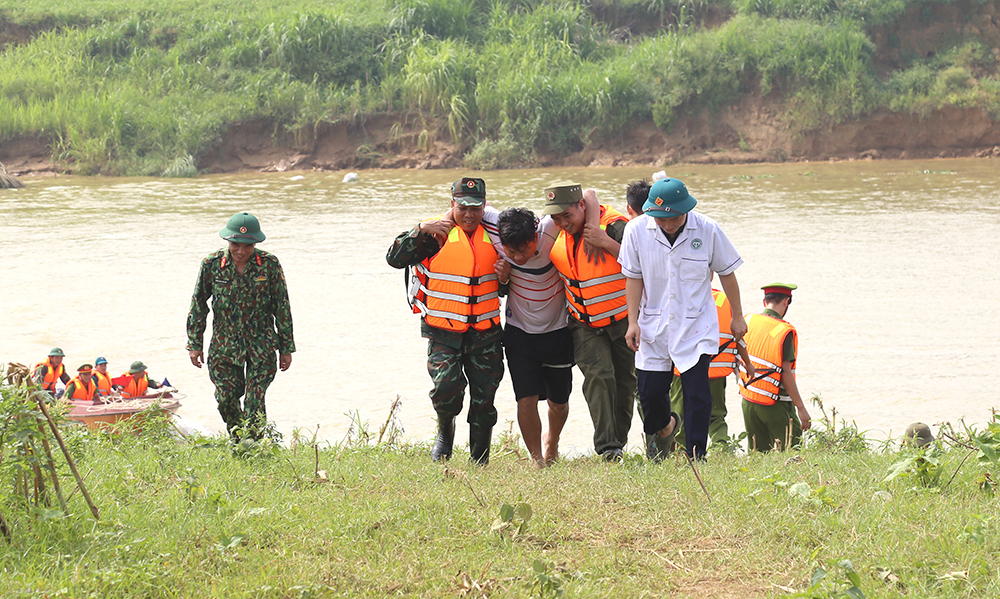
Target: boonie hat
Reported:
[(137, 366), (918, 434), (56, 352), (469, 191), (85, 368), (100, 360), (560, 197), (668, 198), (243, 227), (785, 288)]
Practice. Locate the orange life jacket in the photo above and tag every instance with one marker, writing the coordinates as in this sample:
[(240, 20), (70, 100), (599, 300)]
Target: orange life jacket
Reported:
[(103, 382), (596, 292), (52, 374), (135, 388), (725, 361), (765, 342), (457, 288), (82, 389)]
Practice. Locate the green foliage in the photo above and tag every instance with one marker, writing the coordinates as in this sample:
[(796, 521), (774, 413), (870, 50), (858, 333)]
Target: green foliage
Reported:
[(503, 153), (546, 580), (825, 435), (128, 88), (182, 167), (825, 586), (513, 517), (922, 465)]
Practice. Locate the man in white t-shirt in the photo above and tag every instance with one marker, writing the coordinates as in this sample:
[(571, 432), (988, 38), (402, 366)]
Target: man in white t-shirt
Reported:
[(667, 256), (538, 345)]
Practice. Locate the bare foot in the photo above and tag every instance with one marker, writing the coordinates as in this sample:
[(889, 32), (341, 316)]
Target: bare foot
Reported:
[(550, 448), (668, 430)]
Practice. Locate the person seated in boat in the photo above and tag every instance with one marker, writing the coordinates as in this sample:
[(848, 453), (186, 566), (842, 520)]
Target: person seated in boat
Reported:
[(136, 382), (104, 384), (50, 371), (83, 386)]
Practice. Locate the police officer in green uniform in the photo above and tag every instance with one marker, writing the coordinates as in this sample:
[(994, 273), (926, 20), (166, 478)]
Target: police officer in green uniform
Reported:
[(454, 357), (786, 419), (251, 321)]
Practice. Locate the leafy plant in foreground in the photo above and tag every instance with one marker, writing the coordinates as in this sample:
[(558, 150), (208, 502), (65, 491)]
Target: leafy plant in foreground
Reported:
[(824, 586), (517, 515)]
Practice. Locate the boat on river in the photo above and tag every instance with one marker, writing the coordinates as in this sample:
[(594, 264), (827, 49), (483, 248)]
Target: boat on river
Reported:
[(113, 408)]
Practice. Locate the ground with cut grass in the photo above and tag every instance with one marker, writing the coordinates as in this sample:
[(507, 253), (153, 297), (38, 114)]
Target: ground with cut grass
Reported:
[(362, 518), (175, 88)]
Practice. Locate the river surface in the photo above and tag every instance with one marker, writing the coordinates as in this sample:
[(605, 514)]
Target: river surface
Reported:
[(896, 264)]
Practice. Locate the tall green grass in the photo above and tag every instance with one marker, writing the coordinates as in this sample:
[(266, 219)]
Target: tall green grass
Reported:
[(130, 88), (367, 518)]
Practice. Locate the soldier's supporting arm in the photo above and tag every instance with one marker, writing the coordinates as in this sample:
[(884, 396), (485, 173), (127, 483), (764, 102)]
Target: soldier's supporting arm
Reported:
[(593, 217), (788, 382), (738, 326), (411, 247), (741, 349)]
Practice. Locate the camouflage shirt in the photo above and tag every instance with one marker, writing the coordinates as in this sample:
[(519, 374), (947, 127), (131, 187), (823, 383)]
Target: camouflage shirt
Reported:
[(250, 311), (411, 248)]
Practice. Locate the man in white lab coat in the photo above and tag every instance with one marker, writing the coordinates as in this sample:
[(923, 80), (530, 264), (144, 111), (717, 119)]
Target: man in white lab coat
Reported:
[(667, 256)]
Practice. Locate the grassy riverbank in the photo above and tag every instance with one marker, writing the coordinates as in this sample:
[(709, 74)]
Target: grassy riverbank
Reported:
[(148, 86), (360, 519)]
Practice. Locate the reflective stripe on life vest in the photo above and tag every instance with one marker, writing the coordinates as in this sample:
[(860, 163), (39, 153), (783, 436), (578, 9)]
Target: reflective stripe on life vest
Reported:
[(82, 389), (596, 292), (103, 382), (135, 388), (724, 362), (765, 343), (457, 288), (52, 374)]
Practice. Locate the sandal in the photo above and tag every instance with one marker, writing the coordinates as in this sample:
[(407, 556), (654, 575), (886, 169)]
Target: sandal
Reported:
[(669, 439)]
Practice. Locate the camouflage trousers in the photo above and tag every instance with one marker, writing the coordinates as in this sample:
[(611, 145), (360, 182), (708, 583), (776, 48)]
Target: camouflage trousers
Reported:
[(451, 369), (234, 378)]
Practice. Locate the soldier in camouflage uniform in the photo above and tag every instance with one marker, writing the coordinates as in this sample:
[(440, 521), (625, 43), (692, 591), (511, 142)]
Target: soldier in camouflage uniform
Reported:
[(251, 320), (455, 355)]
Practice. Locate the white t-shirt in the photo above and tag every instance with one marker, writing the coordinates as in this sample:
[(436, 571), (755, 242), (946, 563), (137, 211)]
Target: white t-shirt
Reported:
[(678, 321), (536, 300)]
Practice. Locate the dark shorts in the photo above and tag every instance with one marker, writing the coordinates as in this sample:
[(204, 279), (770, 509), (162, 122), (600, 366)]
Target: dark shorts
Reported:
[(540, 364)]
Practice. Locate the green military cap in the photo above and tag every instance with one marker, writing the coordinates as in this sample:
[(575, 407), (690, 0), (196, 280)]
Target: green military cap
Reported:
[(243, 227), (785, 288), (469, 191), (560, 197), (85, 368), (918, 434), (56, 352), (136, 366)]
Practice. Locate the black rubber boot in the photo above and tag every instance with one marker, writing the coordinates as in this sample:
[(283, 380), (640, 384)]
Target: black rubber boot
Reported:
[(479, 444), (445, 439)]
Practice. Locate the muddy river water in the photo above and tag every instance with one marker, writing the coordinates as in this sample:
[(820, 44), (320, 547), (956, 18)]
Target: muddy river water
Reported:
[(896, 263)]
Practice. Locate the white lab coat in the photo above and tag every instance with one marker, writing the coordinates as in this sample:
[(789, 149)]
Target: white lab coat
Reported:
[(678, 321)]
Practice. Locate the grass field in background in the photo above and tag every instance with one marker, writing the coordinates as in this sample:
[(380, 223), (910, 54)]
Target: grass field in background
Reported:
[(134, 87)]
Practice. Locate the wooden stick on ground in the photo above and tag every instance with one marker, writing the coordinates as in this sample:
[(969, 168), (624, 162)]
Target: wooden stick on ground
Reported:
[(698, 476), (52, 469), (69, 459)]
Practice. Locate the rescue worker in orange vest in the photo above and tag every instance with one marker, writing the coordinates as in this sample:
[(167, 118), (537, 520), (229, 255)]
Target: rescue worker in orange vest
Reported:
[(721, 366), (83, 386), (50, 371), (101, 377), (595, 291), (773, 411), (138, 382), (455, 289)]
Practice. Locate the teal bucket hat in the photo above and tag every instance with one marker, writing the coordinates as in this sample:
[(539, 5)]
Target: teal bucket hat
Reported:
[(668, 198)]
